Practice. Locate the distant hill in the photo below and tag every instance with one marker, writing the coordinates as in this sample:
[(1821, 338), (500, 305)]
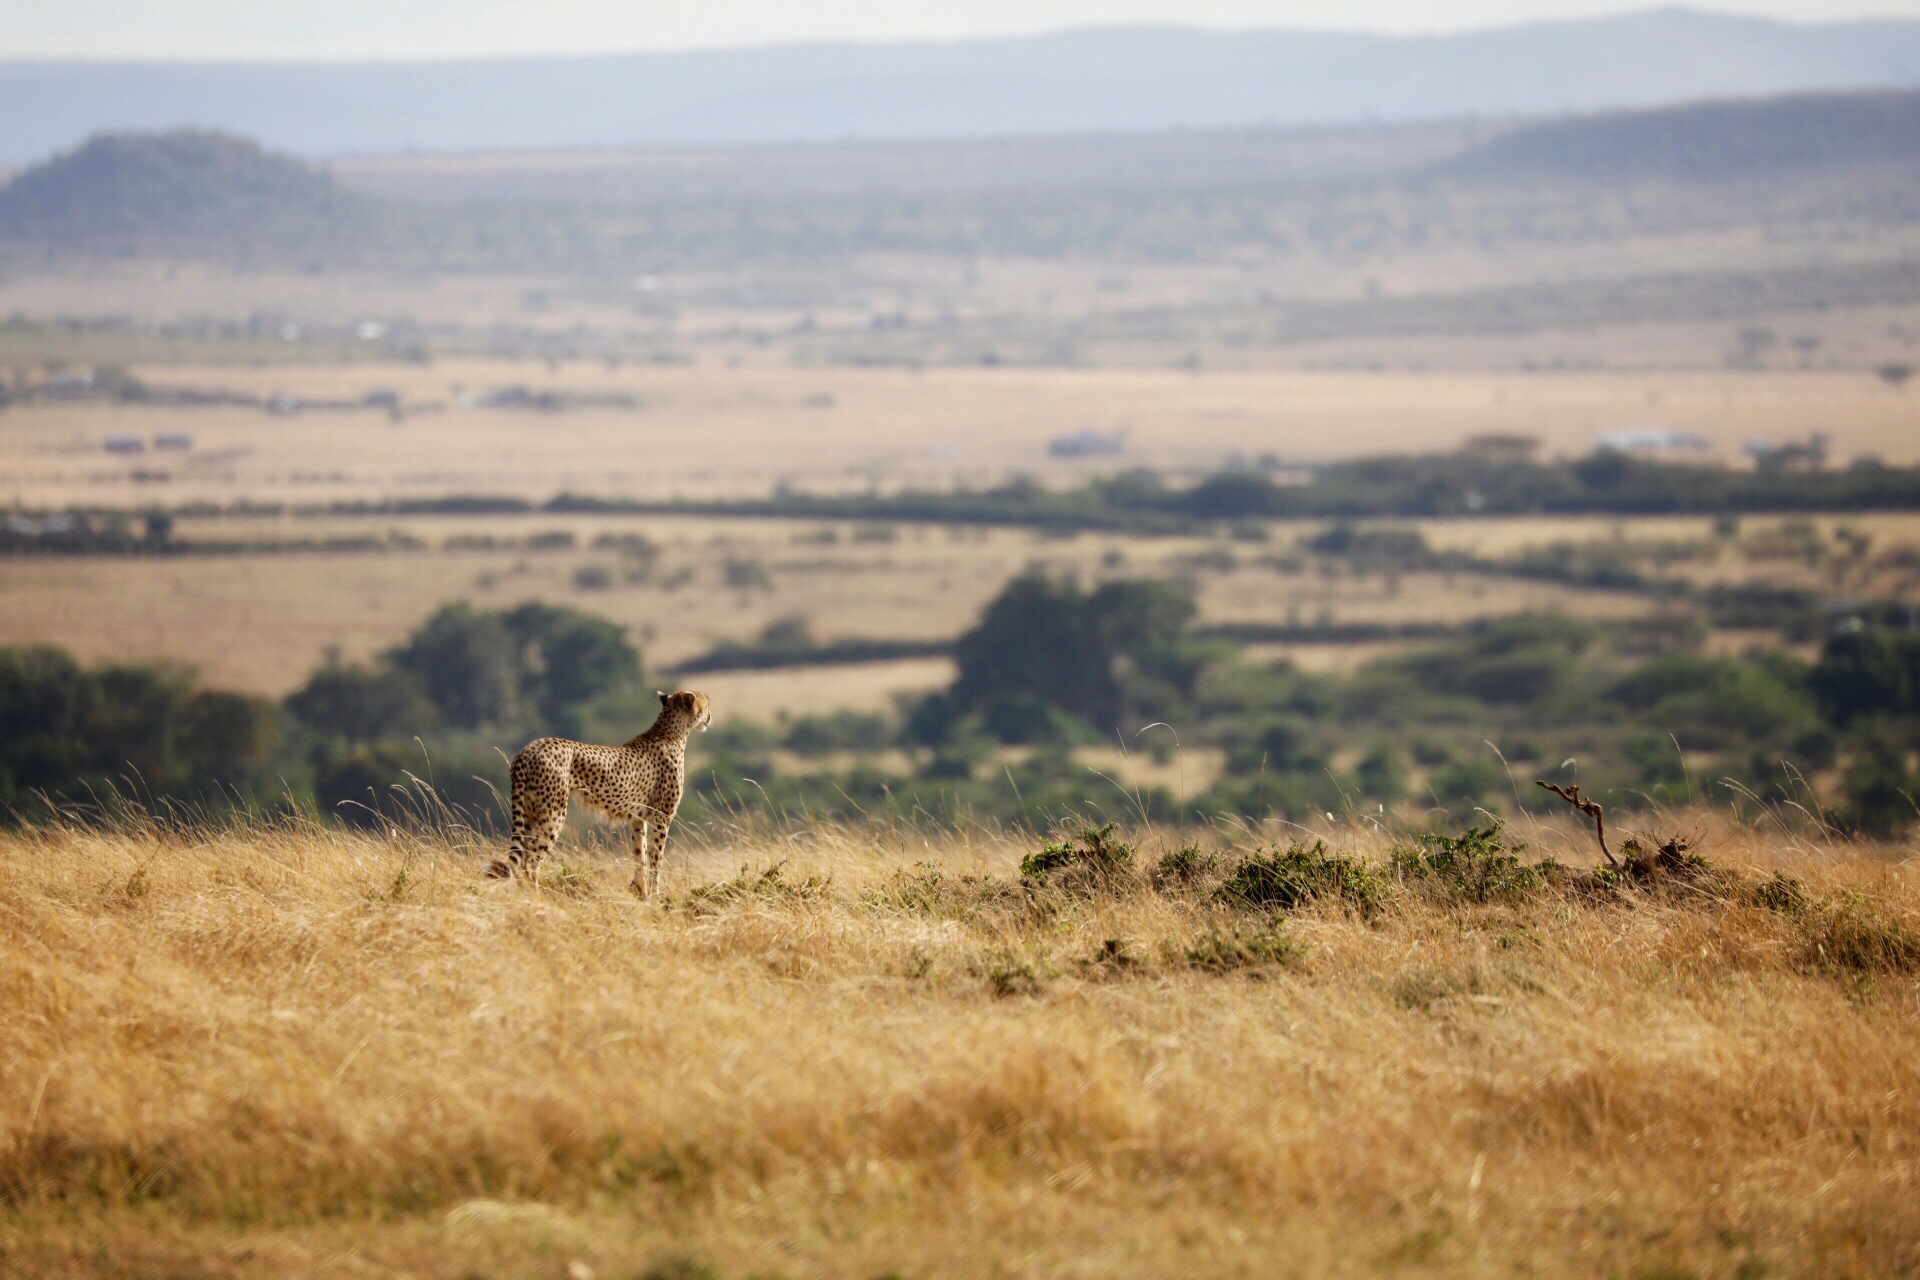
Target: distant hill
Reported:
[(184, 193), (1119, 80), (1713, 140)]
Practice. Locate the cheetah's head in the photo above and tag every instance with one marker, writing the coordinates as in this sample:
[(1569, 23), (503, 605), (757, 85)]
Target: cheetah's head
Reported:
[(695, 707)]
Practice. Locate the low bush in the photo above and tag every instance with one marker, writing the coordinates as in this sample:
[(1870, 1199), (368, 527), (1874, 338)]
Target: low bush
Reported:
[(928, 890), (1282, 879), (1184, 868), (1095, 861), (1476, 866)]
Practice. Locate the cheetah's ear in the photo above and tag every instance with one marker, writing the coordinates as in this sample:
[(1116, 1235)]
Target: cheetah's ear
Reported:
[(664, 695)]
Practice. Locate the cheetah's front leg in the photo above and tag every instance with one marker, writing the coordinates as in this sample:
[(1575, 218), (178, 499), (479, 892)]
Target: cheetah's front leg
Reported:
[(643, 884), (657, 854), (649, 848)]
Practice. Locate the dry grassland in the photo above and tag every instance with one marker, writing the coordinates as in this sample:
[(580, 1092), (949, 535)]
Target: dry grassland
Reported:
[(803, 691), (1084, 309), (709, 430), (285, 1051), (262, 622)]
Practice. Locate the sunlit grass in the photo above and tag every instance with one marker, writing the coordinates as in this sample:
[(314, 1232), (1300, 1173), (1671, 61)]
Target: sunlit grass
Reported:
[(282, 1049)]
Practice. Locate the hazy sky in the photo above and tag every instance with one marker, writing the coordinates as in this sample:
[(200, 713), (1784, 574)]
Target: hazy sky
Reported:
[(452, 28)]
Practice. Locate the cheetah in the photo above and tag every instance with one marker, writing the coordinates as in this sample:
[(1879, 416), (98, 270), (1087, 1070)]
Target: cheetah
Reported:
[(638, 782)]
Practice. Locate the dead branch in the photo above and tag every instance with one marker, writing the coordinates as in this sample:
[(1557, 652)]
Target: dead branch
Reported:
[(1572, 796)]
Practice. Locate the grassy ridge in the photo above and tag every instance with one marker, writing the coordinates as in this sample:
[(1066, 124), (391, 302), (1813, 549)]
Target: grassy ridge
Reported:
[(276, 1049)]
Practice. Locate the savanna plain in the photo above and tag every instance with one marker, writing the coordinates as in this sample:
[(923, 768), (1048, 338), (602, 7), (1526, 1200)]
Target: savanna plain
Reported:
[(278, 1046), (1104, 860), (846, 1050)]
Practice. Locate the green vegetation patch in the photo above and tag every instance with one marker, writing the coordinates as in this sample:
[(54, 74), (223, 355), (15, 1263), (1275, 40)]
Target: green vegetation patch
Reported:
[(1184, 868), (1282, 879), (1093, 861), (1475, 866)]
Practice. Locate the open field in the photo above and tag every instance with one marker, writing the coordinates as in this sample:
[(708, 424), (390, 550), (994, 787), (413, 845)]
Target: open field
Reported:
[(707, 431), (884, 1024), (272, 1051), (263, 621)]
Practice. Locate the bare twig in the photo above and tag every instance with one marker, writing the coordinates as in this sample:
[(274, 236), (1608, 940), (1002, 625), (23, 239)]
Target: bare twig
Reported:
[(1572, 796)]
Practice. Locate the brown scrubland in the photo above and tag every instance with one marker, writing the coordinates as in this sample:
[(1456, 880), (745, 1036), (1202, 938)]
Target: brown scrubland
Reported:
[(278, 1048)]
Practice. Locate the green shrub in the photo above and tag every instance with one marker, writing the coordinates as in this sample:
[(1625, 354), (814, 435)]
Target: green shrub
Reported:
[(1182, 869), (1477, 866), (1097, 860), (1110, 959), (1282, 879), (1779, 892), (1009, 975), (593, 577)]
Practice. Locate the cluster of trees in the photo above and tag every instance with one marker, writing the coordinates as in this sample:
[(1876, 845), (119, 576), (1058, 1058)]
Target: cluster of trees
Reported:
[(469, 682), (1051, 661), (465, 669), (465, 685), (1468, 483), (119, 732), (1050, 665)]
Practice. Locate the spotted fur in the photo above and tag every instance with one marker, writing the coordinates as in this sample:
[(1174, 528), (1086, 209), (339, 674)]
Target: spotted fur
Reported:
[(638, 782)]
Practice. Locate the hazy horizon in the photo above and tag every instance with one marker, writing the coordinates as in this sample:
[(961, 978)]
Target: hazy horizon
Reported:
[(1126, 80), (358, 31)]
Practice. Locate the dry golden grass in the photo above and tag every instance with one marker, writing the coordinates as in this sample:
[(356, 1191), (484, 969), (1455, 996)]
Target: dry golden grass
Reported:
[(803, 691), (274, 1051), (263, 622), (714, 430)]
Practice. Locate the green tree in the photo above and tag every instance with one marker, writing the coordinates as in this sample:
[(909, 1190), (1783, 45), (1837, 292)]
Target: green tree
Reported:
[(363, 704), (566, 659), (1867, 673), (1881, 789), (1094, 656), (144, 732), (468, 662)]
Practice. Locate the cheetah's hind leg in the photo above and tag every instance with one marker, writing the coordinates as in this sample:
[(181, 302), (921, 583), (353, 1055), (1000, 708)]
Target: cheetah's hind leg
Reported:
[(533, 838)]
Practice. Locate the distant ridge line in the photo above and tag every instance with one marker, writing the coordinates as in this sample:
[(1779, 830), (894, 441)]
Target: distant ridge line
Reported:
[(1125, 80)]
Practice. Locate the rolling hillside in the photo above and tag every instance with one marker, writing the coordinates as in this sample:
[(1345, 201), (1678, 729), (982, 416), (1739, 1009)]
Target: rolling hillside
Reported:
[(183, 193), (1136, 79), (1712, 140)]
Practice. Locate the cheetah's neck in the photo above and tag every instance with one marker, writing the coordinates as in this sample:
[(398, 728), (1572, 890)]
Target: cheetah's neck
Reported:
[(669, 733)]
